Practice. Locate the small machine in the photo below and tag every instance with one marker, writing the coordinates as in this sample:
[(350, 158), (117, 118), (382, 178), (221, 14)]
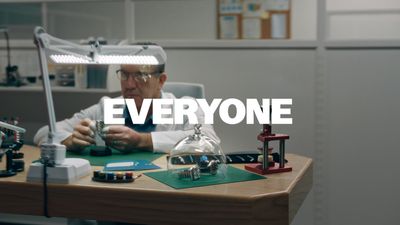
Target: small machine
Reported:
[(11, 141), (267, 164)]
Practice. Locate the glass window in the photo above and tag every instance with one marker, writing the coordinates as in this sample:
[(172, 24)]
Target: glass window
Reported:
[(20, 19), (80, 20)]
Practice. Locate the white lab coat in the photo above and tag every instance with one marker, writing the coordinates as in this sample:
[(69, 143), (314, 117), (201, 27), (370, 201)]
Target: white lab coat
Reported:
[(164, 137)]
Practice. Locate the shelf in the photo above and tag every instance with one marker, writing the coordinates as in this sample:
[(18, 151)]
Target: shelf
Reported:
[(362, 44), (221, 44), (22, 43), (44, 1), (248, 44), (55, 89), (187, 43)]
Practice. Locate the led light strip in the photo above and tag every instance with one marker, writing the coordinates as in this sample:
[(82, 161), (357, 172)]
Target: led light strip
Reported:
[(69, 59), (128, 59)]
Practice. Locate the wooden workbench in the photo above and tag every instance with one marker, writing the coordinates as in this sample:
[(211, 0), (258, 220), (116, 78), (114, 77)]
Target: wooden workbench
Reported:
[(272, 201)]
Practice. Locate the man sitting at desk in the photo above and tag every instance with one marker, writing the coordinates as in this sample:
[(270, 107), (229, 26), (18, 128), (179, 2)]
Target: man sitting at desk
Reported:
[(137, 82)]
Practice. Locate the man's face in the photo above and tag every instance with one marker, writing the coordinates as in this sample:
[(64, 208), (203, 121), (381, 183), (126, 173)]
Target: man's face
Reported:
[(136, 88)]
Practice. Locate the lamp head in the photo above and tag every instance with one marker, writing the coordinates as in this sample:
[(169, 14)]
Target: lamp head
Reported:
[(65, 52)]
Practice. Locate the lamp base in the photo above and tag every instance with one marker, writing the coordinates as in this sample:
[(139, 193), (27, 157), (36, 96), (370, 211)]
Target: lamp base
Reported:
[(70, 171)]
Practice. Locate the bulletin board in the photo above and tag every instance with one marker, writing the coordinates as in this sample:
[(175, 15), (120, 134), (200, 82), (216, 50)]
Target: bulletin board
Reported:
[(254, 19)]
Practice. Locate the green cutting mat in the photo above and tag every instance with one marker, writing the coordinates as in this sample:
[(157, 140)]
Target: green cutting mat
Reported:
[(232, 175), (116, 156)]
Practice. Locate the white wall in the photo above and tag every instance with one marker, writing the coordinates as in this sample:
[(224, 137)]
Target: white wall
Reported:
[(169, 19), (363, 137), (80, 20), (360, 19), (258, 74), (362, 4)]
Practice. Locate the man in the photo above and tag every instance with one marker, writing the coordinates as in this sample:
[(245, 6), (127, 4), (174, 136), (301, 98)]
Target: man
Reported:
[(137, 82)]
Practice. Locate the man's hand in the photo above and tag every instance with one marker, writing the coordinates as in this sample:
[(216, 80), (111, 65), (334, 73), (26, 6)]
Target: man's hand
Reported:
[(126, 139), (81, 137)]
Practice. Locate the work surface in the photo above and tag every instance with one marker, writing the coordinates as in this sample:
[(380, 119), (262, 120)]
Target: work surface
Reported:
[(274, 200)]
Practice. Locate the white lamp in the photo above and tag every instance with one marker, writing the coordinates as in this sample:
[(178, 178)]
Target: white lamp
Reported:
[(62, 170)]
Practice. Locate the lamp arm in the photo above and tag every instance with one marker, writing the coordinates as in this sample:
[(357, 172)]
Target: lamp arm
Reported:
[(39, 42), (45, 39), (12, 127)]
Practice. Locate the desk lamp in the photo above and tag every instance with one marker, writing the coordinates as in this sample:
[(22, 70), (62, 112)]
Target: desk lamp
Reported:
[(60, 169), (12, 75)]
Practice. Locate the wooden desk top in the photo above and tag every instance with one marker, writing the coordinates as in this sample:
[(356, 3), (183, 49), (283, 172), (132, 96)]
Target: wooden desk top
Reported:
[(146, 201)]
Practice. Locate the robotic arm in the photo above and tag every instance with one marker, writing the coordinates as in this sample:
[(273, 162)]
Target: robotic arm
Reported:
[(11, 140)]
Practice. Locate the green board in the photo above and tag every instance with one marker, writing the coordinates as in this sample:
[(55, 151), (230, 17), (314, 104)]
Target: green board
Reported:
[(116, 156), (232, 175)]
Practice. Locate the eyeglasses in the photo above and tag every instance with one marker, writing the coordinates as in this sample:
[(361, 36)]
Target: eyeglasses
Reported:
[(138, 76)]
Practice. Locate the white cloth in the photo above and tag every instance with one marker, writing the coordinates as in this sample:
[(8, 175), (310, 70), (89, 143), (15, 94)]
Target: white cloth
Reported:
[(164, 137)]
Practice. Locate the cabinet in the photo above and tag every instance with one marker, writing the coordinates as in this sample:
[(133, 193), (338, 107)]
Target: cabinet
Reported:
[(170, 21), (193, 24), (188, 24)]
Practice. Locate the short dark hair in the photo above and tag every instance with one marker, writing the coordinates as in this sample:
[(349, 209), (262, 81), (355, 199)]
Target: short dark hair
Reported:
[(159, 68)]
